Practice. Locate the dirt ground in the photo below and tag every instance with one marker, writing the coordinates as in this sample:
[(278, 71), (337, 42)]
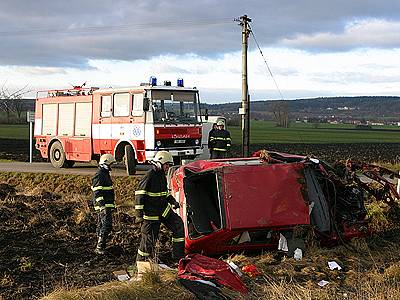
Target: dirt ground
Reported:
[(48, 239)]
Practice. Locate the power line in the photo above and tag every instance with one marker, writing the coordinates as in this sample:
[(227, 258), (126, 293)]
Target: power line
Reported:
[(265, 61), (117, 28)]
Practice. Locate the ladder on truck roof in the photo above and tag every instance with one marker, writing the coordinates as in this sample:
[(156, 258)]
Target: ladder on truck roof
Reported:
[(75, 91)]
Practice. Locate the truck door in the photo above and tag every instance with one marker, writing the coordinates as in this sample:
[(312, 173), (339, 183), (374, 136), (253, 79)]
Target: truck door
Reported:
[(82, 140), (102, 130), (66, 125), (121, 117)]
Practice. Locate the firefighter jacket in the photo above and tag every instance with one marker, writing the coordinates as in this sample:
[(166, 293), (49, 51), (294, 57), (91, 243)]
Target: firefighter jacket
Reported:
[(210, 135), (152, 197), (220, 140), (103, 192)]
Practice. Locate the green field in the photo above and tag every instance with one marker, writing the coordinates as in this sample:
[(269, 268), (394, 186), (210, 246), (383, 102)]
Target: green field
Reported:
[(14, 131), (266, 132), (263, 132)]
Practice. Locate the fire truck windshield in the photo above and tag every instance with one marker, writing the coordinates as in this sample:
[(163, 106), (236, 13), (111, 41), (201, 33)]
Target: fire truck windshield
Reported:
[(175, 112)]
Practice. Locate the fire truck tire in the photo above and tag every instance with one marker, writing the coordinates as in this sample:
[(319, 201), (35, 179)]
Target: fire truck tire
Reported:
[(130, 161), (57, 155)]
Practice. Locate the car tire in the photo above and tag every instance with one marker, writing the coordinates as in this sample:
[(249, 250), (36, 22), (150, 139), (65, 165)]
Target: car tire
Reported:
[(130, 160), (57, 155)]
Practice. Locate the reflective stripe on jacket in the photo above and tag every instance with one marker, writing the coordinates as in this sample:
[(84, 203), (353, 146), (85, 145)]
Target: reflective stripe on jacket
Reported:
[(103, 191), (152, 196), (220, 140)]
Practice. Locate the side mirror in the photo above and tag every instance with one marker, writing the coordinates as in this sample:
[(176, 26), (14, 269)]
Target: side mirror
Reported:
[(146, 104), (206, 115)]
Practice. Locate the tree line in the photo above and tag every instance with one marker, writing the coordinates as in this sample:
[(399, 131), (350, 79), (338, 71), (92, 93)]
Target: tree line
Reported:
[(12, 104)]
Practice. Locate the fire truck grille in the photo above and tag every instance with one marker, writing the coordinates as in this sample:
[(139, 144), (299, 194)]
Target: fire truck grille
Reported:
[(177, 143)]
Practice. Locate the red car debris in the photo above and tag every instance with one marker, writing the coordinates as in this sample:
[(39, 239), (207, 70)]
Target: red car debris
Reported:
[(243, 204)]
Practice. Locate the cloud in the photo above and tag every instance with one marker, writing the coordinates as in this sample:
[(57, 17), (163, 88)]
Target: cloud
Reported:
[(358, 34), (69, 34), (315, 48), (297, 73), (39, 71)]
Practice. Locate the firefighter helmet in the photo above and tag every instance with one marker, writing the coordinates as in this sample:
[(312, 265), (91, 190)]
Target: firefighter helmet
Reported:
[(107, 159), (164, 157), (220, 123)]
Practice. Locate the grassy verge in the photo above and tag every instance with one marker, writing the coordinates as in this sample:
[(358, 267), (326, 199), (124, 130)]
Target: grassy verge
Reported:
[(65, 184), (6, 160)]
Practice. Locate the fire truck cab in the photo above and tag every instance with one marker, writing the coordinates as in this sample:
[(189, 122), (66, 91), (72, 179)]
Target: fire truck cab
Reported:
[(133, 123)]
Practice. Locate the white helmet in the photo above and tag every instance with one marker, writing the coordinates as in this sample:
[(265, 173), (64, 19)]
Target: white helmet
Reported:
[(107, 159), (163, 157), (220, 123)]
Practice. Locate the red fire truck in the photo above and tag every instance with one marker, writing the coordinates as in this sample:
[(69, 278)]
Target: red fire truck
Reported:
[(80, 124)]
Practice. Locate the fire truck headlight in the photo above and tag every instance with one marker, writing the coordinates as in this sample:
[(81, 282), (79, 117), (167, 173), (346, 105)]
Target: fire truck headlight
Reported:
[(158, 143), (197, 141)]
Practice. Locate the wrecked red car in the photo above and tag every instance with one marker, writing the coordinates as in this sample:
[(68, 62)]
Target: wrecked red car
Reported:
[(244, 204)]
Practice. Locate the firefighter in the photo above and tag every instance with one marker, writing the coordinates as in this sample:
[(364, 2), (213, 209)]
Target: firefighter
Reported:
[(211, 143), (154, 205), (103, 200), (221, 141)]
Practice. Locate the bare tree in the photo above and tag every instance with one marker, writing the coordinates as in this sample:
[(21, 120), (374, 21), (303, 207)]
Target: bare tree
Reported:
[(11, 101), (281, 113)]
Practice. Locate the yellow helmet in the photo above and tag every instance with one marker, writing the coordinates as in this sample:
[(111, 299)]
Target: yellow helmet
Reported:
[(163, 157), (107, 159)]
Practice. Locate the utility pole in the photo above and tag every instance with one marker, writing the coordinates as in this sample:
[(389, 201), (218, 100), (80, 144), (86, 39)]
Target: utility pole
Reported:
[(245, 109)]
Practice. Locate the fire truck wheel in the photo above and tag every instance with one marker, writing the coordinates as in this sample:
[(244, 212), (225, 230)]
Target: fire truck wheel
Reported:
[(130, 161), (57, 155)]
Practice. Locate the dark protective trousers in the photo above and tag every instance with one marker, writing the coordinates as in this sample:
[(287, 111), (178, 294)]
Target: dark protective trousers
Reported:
[(150, 231), (211, 153), (218, 154), (104, 224)]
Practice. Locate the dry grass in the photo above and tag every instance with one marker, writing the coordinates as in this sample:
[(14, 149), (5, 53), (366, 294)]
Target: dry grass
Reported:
[(371, 267), (378, 215), (391, 166), (164, 286), (37, 184), (153, 286)]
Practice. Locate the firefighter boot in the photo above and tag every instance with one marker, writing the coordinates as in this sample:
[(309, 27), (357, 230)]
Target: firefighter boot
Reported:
[(101, 246)]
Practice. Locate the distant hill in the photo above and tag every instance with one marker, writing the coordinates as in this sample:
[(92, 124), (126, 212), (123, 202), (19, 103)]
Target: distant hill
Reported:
[(372, 108)]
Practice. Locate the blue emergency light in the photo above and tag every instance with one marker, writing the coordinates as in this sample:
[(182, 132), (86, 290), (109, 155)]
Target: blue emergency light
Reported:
[(180, 82), (153, 80)]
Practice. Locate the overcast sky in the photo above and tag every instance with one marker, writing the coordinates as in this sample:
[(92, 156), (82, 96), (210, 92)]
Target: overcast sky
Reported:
[(313, 47)]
